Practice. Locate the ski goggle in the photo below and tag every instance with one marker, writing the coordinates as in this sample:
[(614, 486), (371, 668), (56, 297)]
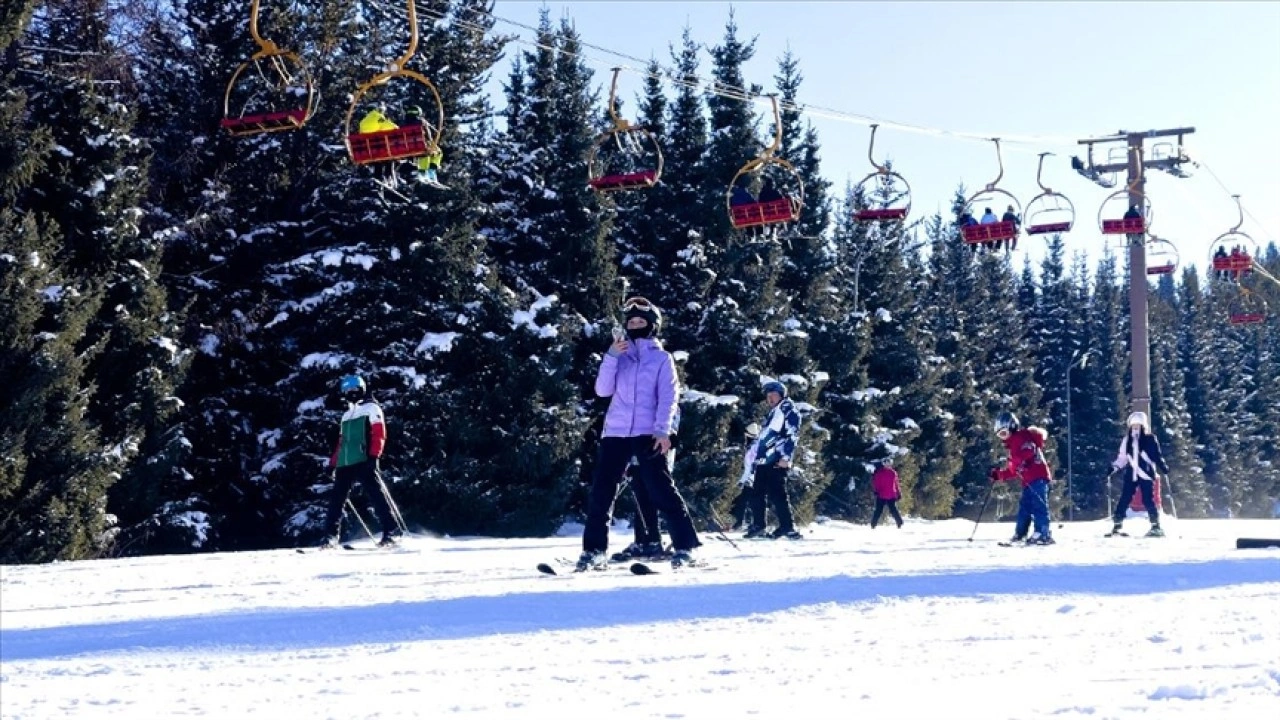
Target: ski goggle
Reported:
[(1002, 433), (637, 303)]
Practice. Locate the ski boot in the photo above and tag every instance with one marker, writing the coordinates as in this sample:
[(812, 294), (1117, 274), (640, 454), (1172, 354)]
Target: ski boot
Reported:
[(1116, 531), (591, 560), (1155, 531), (792, 534), (1038, 539), (755, 533), (389, 540), (683, 558), (626, 554)]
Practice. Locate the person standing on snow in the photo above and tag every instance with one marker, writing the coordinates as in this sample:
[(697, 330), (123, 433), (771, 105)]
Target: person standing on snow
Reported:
[(1026, 463), (885, 483), (774, 449), (362, 436), (1140, 453), (639, 377)]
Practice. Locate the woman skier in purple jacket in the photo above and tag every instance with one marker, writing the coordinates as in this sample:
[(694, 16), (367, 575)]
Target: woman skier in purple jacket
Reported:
[(639, 377)]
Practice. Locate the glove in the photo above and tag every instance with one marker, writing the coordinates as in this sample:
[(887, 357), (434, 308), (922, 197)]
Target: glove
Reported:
[(994, 475), (748, 476)]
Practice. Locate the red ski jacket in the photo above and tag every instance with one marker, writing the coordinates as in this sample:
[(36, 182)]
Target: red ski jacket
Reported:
[(1026, 457)]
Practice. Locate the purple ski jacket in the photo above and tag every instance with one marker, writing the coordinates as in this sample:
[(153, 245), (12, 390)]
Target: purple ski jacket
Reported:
[(642, 383)]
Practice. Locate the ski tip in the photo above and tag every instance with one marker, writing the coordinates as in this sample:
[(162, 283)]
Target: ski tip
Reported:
[(642, 569), (300, 551), (546, 569)]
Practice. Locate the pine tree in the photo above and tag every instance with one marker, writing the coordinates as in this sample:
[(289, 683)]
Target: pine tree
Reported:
[(1170, 413), (72, 185)]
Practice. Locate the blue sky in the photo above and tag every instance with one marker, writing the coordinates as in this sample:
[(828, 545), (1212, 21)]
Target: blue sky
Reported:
[(1040, 74)]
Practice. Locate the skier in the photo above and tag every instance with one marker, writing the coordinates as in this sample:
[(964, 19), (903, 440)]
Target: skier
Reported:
[(1011, 216), (362, 437), (1026, 462), (375, 121), (742, 504), (774, 449), (639, 377), (885, 483), (428, 165), (1140, 453)]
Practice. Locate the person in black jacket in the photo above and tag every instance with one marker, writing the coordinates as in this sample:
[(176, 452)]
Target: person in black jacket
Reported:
[(1140, 454)]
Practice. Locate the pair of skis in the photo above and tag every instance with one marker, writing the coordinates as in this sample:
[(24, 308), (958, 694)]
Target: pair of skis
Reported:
[(350, 547), (636, 568)]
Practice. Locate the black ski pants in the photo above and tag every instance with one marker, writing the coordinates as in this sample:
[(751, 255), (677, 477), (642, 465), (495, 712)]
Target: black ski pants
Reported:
[(369, 475), (881, 504), (1147, 488), (770, 485), (654, 473)]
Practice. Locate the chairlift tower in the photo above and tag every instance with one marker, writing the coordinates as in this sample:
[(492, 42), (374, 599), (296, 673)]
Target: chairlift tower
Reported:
[(1136, 164)]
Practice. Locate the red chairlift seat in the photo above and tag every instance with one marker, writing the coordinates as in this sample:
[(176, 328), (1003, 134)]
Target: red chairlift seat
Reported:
[(770, 212), (1166, 269), (408, 141), (1125, 226), (1046, 228), (625, 181), (1246, 318), (264, 122), (991, 232), (1233, 263), (881, 214)]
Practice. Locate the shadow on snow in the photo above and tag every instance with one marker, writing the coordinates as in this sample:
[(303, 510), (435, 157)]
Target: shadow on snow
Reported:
[(546, 611)]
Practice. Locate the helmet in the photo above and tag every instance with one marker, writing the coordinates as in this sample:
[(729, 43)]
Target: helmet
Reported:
[(641, 307), (1138, 418), (1007, 422), (352, 387), (775, 386)]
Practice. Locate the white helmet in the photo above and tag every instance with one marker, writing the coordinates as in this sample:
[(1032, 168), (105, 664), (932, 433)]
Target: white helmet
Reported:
[(1138, 418)]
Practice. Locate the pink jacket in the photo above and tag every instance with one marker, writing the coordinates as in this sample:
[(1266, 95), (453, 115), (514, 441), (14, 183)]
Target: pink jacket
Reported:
[(885, 483)]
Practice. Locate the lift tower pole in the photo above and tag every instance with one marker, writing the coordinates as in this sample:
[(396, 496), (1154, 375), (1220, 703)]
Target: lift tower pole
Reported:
[(1134, 166)]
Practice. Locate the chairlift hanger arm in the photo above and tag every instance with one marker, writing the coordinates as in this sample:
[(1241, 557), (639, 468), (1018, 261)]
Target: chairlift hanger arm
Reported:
[(619, 124), (265, 45)]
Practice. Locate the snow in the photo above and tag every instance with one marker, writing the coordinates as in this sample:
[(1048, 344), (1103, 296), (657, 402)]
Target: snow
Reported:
[(433, 343), (528, 318), (850, 622), (324, 360)]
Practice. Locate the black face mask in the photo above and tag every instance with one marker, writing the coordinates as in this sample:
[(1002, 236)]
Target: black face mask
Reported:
[(638, 333), (354, 396)]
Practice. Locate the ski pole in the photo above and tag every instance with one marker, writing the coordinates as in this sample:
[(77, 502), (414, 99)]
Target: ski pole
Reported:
[(395, 509), (1168, 486), (352, 508), (990, 487)]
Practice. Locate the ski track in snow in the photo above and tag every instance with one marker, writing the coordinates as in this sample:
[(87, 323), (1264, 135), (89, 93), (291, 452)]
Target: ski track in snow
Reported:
[(916, 623)]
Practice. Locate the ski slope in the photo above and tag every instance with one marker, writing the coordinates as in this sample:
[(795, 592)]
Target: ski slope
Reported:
[(848, 623)]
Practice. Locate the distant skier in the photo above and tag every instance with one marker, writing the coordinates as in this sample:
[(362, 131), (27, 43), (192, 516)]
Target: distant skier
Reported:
[(885, 484), (1139, 454), (1026, 463), (362, 436), (742, 504), (774, 449)]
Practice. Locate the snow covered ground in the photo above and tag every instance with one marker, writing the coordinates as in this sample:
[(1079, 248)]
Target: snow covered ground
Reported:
[(849, 623)]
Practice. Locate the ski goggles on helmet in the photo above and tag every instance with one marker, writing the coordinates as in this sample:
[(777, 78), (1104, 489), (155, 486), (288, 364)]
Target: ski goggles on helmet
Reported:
[(637, 303)]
